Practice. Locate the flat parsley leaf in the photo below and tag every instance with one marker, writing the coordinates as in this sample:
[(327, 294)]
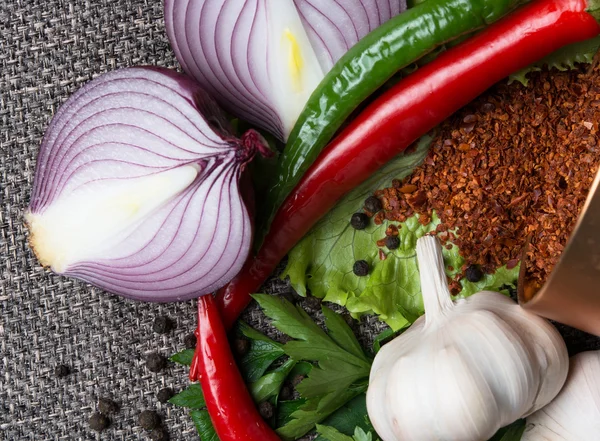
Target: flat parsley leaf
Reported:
[(285, 409), (262, 353), (341, 369), (514, 432), (331, 434), (192, 397), (361, 435), (269, 385), (315, 410), (351, 415), (204, 425), (323, 260), (184, 357)]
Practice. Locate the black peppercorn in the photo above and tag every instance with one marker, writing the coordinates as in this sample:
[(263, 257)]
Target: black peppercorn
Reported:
[(266, 410), (473, 273), (373, 204), (349, 320), (62, 371), (359, 221), (286, 393), (107, 406), (392, 242), (512, 291), (99, 422), (241, 346), (159, 434), (312, 303), (361, 268), (155, 362), (165, 394), (190, 341), (562, 183), (296, 380), (162, 324), (149, 420), (290, 296)]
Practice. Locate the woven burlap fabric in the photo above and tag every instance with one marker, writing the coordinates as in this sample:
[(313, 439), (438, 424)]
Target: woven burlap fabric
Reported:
[(48, 49)]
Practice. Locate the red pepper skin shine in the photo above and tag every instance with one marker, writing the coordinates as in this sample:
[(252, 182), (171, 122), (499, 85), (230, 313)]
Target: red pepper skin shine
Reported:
[(400, 116), (404, 113), (232, 411), (385, 128)]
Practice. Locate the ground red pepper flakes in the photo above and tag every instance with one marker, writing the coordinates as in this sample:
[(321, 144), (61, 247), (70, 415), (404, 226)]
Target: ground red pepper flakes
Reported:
[(516, 163)]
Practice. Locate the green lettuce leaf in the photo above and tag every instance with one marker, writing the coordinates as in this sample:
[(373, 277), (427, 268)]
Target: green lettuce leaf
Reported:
[(322, 262), (563, 59)]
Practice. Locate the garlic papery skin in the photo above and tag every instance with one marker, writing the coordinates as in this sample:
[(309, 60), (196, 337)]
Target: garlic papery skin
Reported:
[(466, 368), (574, 415)]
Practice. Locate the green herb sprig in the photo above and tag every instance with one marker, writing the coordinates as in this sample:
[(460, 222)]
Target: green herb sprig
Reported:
[(341, 368), (333, 392)]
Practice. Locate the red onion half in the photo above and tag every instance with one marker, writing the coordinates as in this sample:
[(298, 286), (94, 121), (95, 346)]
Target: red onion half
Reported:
[(262, 59), (136, 188), (334, 26)]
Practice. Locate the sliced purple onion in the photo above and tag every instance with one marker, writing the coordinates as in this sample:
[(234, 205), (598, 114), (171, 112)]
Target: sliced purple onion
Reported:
[(262, 59), (334, 26), (136, 188)]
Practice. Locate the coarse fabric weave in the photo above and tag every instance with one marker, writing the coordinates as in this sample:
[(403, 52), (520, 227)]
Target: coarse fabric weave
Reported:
[(48, 49)]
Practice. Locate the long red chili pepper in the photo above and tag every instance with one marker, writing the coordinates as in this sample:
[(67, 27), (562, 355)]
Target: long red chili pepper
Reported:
[(400, 116), (230, 406)]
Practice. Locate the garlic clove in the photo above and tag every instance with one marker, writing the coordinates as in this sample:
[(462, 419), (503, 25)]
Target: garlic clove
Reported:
[(574, 415), (465, 369)]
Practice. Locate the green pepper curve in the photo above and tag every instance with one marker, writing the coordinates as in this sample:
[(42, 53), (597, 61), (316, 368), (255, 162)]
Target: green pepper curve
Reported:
[(363, 69)]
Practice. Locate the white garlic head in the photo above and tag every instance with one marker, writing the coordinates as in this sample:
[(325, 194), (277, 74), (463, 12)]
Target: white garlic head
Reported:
[(466, 368), (574, 415)]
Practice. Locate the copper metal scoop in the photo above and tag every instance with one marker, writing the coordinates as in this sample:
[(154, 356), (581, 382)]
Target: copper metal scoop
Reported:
[(571, 295)]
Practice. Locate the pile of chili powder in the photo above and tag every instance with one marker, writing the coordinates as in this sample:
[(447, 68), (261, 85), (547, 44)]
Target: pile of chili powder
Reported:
[(516, 163)]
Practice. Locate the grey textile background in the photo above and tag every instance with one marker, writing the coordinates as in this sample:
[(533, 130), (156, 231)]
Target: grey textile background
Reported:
[(48, 49)]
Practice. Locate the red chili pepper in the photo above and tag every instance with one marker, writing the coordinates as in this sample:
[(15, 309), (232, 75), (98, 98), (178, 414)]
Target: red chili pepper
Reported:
[(400, 116), (230, 406), (403, 114)]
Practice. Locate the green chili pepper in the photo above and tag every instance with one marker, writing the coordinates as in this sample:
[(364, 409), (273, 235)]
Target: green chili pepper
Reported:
[(366, 67)]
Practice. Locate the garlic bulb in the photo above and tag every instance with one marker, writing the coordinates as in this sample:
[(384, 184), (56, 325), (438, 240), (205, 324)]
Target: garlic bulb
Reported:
[(465, 369), (574, 415)]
